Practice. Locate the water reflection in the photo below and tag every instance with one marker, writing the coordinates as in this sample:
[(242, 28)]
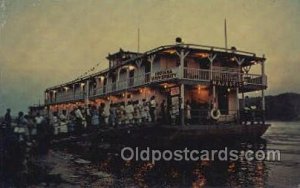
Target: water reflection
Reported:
[(240, 173), (184, 173)]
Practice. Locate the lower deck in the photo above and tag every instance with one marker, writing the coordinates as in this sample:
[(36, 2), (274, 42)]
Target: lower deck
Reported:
[(197, 132)]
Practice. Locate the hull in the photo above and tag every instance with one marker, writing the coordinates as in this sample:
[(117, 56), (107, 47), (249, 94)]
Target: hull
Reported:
[(167, 132), (217, 131)]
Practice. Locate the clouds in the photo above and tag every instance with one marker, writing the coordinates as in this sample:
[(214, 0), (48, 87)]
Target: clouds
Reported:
[(44, 43)]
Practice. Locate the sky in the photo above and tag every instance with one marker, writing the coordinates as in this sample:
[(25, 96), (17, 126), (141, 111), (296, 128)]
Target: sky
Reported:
[(48, 42)]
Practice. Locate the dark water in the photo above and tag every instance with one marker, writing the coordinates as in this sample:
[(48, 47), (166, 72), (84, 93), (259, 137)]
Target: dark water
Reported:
[(240, 173), (284, 136)]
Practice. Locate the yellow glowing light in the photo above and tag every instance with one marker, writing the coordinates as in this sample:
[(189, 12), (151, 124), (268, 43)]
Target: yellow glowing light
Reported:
[(170, 51), (130, 67), (202, 55), (101, 77)]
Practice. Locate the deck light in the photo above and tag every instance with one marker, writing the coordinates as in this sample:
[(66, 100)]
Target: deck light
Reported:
[(202, 55), (82, 84), (170, 51), (228, 89), (254, 62), (130, 67), (199, 89), (165, 86), (101, 78)]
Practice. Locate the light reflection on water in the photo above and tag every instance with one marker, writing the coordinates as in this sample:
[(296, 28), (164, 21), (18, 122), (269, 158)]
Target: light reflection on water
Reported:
[(241, 173)]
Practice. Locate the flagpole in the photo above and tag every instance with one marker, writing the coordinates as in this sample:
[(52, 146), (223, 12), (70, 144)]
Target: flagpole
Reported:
[(225, 32)]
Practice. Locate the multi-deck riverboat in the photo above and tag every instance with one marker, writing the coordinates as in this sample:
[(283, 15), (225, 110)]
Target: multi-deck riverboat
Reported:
[(214, 80)]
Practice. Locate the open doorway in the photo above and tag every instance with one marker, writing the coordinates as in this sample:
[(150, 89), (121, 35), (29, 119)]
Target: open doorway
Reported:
[(223, 100)]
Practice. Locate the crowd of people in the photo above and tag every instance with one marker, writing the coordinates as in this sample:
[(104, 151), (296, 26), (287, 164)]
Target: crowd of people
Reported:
[(22, 140), (132, 113), (27, 128)]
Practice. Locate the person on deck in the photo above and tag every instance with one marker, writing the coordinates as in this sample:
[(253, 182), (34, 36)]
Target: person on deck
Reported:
[(112, 115), (147, 116), (21, 126), (106, 114), (88, 116), (7, 118), (188, 112), (163, 111), (173, 114), (137, 113), (120, 114), (101, 114), (129, 112), (143, 111), (38, 119), (152, 109), (95, 117), (79, 120)]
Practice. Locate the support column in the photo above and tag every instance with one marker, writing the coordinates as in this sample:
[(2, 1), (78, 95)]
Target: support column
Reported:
[(239, 62), (243, 99), (118, 77), (263, 106), (46, 97), (86, 96), (182, 55), (211, 59), (73, 91), (237, 104), (181, 101), (151, 60), (54, 95), (138, 64)]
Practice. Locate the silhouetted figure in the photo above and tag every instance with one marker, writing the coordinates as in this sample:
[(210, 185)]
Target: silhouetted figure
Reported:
[(88, 116), (152, 108), (101, 114), (163, 111), (79, 120), (7, 118), (188, 112)]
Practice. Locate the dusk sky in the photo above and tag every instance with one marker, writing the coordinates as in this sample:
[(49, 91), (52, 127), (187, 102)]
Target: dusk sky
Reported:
[(44, 42)]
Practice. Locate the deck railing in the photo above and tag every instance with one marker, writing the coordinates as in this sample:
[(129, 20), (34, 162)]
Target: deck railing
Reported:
[(122, 85), (203, 75), (67, 97), (231, 75)]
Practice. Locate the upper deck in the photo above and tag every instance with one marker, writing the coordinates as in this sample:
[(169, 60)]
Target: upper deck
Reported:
[(181, 63)]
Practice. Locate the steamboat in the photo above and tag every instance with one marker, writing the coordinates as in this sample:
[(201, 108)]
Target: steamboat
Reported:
[(199, 91)]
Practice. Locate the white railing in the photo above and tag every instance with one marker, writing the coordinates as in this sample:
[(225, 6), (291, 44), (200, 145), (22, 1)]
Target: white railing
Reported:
[(122, 85), (206, 75), (196, 74), (231, 75), (254, 79)]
